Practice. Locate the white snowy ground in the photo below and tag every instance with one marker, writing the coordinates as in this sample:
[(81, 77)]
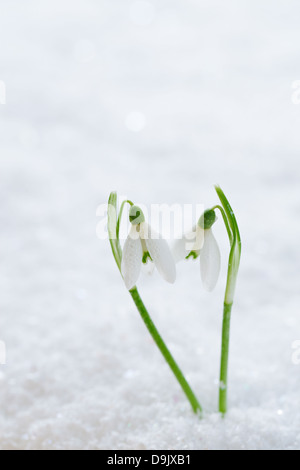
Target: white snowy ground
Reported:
[(212, 83)]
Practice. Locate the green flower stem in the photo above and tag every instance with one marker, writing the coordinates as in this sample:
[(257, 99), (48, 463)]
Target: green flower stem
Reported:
[(224, 359), (120, 216), (227, 225), (165, 351), (112, 225), (233, 269)]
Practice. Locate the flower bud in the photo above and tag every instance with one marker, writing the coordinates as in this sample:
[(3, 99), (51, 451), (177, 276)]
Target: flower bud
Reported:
[(207, 219), (136, 215)]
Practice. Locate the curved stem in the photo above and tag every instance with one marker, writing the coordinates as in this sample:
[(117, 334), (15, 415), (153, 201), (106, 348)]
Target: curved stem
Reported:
[(112, 219), (120, 216), (229, 232), (165, 351)]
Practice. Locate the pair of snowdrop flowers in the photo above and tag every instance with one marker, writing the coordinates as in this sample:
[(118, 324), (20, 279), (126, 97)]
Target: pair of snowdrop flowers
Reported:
[(145, 245)]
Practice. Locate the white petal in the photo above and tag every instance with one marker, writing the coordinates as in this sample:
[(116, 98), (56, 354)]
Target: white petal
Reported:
[(148, 268), (132, 258), (160, 253), (179, 249), (199, 243), (191, 241), (210, 260)]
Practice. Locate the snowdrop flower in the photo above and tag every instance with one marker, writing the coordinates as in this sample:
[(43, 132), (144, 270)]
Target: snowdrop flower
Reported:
[(201, 242), (142, 245)]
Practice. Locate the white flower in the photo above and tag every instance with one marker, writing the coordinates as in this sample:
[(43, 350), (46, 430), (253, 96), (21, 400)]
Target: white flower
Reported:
[(210, 261), (144, 244), (201, 242)]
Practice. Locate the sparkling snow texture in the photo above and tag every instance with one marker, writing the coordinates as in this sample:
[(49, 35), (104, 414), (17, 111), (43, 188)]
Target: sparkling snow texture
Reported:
[(158, 100)]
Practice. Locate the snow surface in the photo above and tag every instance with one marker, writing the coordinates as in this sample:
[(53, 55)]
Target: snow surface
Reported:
[(160, 101)]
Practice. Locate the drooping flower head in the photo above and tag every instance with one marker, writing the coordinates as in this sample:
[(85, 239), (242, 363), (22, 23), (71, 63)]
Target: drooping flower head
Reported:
[(200, 242), (144, 245)]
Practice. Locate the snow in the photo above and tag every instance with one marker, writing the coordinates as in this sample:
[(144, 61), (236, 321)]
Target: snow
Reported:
[(158, 100)]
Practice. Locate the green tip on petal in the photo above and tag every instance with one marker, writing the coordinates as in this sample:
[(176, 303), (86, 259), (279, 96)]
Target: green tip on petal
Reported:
[(207, 219), (193, 255), (136, 215), (146, 256)]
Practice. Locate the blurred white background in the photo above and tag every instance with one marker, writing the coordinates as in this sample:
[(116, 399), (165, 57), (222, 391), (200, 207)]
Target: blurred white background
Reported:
[(157, 99)]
